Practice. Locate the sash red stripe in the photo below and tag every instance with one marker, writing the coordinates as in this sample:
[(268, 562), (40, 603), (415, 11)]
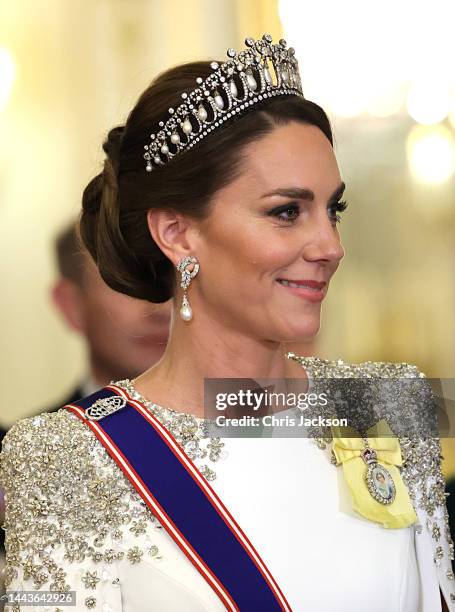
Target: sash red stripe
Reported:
[(157, 509), (210, 494), (167, 522)]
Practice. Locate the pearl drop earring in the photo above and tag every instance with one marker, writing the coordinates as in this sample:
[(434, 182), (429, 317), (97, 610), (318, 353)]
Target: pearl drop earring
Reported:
[(188, 268)]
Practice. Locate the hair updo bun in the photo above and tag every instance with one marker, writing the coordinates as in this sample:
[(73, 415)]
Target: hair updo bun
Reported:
[(113, 223), (91, 199), (101, 232), (113, 142)]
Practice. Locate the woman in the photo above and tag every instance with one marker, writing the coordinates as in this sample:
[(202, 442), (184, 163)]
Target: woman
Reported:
[(123, 498)]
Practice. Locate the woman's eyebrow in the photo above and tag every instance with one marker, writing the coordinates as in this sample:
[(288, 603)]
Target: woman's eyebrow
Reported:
[(303, 193)]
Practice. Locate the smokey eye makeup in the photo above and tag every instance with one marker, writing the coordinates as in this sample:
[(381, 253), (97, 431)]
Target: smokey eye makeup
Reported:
[(288, 213)]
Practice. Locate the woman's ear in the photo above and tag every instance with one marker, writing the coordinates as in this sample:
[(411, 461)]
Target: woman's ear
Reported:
[(67, 298), (175, 234)]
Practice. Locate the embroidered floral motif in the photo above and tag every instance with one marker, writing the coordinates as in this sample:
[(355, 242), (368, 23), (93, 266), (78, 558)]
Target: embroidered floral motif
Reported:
[(439, 554), (64, 492), (215, 447), (90, 579), (138, 527), (66, 495), (422, 456), (436, 532), (135, 554)]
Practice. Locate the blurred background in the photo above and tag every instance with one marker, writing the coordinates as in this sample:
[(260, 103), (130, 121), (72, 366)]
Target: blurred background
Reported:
[(70, 70)]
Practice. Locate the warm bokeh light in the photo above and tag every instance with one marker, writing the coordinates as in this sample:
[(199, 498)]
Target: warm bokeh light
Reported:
[(387, 102), (452, 116), (7, 71), (353, 70), (431, 153), (429, 101)]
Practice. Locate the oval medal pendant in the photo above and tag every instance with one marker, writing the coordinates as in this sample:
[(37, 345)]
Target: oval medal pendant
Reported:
[(378, 479), (380, 484)]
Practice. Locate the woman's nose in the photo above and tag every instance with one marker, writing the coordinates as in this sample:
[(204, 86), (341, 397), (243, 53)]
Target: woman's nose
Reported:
[(324, 243)]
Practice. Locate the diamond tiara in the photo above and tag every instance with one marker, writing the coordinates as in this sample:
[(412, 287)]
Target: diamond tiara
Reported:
[(260, 71)]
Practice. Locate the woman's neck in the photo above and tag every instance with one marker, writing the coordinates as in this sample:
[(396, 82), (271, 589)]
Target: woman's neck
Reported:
[(196, 352)]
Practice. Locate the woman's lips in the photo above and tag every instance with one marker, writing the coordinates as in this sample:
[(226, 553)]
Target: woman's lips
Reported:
[(311, 290), (149, 341)]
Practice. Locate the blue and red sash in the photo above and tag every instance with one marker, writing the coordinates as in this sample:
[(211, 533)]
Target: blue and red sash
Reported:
[(182, 500)]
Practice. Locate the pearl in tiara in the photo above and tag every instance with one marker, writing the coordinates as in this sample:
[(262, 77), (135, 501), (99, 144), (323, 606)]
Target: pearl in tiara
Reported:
[(262, 70)]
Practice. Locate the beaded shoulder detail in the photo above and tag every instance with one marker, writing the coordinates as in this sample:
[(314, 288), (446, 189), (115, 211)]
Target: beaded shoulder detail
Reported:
[(68, 503), (338, 368), (422, 456)]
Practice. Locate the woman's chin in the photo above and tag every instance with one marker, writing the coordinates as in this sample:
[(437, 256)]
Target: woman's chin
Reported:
[(302, 338), (301, 334), (304, 326)]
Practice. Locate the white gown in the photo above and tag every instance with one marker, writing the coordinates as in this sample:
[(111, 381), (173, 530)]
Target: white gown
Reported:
[(286, 495), (74, 522)]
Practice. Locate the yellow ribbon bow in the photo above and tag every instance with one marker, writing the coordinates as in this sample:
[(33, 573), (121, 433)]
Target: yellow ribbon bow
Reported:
[(347, 450)]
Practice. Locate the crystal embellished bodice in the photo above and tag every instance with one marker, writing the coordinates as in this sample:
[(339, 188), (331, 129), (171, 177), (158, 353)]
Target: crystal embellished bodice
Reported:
[(188, 430), (74, 522)]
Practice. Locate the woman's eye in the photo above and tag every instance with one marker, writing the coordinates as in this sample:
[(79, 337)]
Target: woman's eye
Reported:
[(286, 213), (290, 212), (336, 208)]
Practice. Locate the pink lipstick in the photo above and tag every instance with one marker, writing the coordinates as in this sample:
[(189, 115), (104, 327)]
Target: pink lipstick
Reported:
[(311, 290)]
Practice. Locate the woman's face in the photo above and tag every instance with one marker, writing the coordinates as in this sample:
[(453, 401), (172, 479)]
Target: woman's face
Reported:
[(265, 227)]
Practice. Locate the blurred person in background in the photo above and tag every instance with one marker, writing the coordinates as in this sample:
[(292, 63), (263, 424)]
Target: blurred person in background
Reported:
[(112, 323)]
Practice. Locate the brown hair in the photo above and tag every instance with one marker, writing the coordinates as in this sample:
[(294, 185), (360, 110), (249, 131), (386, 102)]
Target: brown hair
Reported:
[(113, 223)]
